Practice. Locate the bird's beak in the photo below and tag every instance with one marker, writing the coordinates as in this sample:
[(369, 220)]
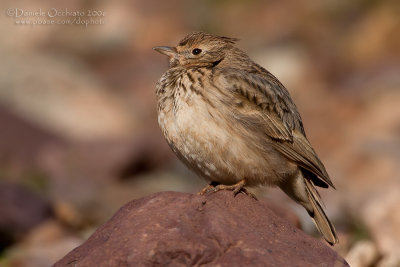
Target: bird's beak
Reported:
[(166, 50)]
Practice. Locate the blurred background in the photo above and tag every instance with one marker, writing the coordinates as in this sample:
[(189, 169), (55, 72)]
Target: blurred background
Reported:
[(78, 124)]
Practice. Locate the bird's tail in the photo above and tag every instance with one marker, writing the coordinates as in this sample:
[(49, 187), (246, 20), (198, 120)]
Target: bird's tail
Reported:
[(318, 215)]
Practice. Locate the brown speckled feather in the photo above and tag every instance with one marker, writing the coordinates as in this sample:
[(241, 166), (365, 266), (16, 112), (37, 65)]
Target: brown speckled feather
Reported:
[(265, 106)]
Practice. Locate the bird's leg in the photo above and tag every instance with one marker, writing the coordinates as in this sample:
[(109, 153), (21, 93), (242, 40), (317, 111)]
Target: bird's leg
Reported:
[(236, 188), (210, 187)]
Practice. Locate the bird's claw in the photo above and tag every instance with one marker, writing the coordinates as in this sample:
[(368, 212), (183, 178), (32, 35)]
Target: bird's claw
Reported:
[(235, 188)]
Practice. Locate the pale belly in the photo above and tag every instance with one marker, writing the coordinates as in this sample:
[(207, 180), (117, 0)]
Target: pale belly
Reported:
[(205, 142)]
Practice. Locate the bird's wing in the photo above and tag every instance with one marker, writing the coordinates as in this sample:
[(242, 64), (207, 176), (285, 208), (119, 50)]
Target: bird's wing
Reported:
[(261, 104)]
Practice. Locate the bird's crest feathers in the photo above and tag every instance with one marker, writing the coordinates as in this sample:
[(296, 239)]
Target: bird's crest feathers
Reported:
[(198, 37)]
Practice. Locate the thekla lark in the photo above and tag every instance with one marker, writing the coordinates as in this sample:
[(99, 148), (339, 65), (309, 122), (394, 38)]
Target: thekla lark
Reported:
[(233, 123)]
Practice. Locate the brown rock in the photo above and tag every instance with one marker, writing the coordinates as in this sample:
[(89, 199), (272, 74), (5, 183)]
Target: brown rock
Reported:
[(177, 229)]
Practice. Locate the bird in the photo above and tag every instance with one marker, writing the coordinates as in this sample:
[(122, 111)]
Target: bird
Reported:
[(234, 124)]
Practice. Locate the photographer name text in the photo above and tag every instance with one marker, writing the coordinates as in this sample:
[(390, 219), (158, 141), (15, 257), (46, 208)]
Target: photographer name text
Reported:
[(56, 16)]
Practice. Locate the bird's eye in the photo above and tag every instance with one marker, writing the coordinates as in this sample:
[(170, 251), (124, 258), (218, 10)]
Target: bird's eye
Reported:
[(196, 51)]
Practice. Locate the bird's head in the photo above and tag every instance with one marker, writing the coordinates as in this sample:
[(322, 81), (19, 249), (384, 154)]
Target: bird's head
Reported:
[(198, 49)]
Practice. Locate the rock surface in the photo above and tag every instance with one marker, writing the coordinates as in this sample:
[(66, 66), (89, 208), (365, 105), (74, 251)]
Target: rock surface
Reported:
[(178, 229)]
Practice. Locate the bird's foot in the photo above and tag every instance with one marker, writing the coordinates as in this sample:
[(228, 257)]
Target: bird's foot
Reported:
[(235, 188), (208, 188)]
